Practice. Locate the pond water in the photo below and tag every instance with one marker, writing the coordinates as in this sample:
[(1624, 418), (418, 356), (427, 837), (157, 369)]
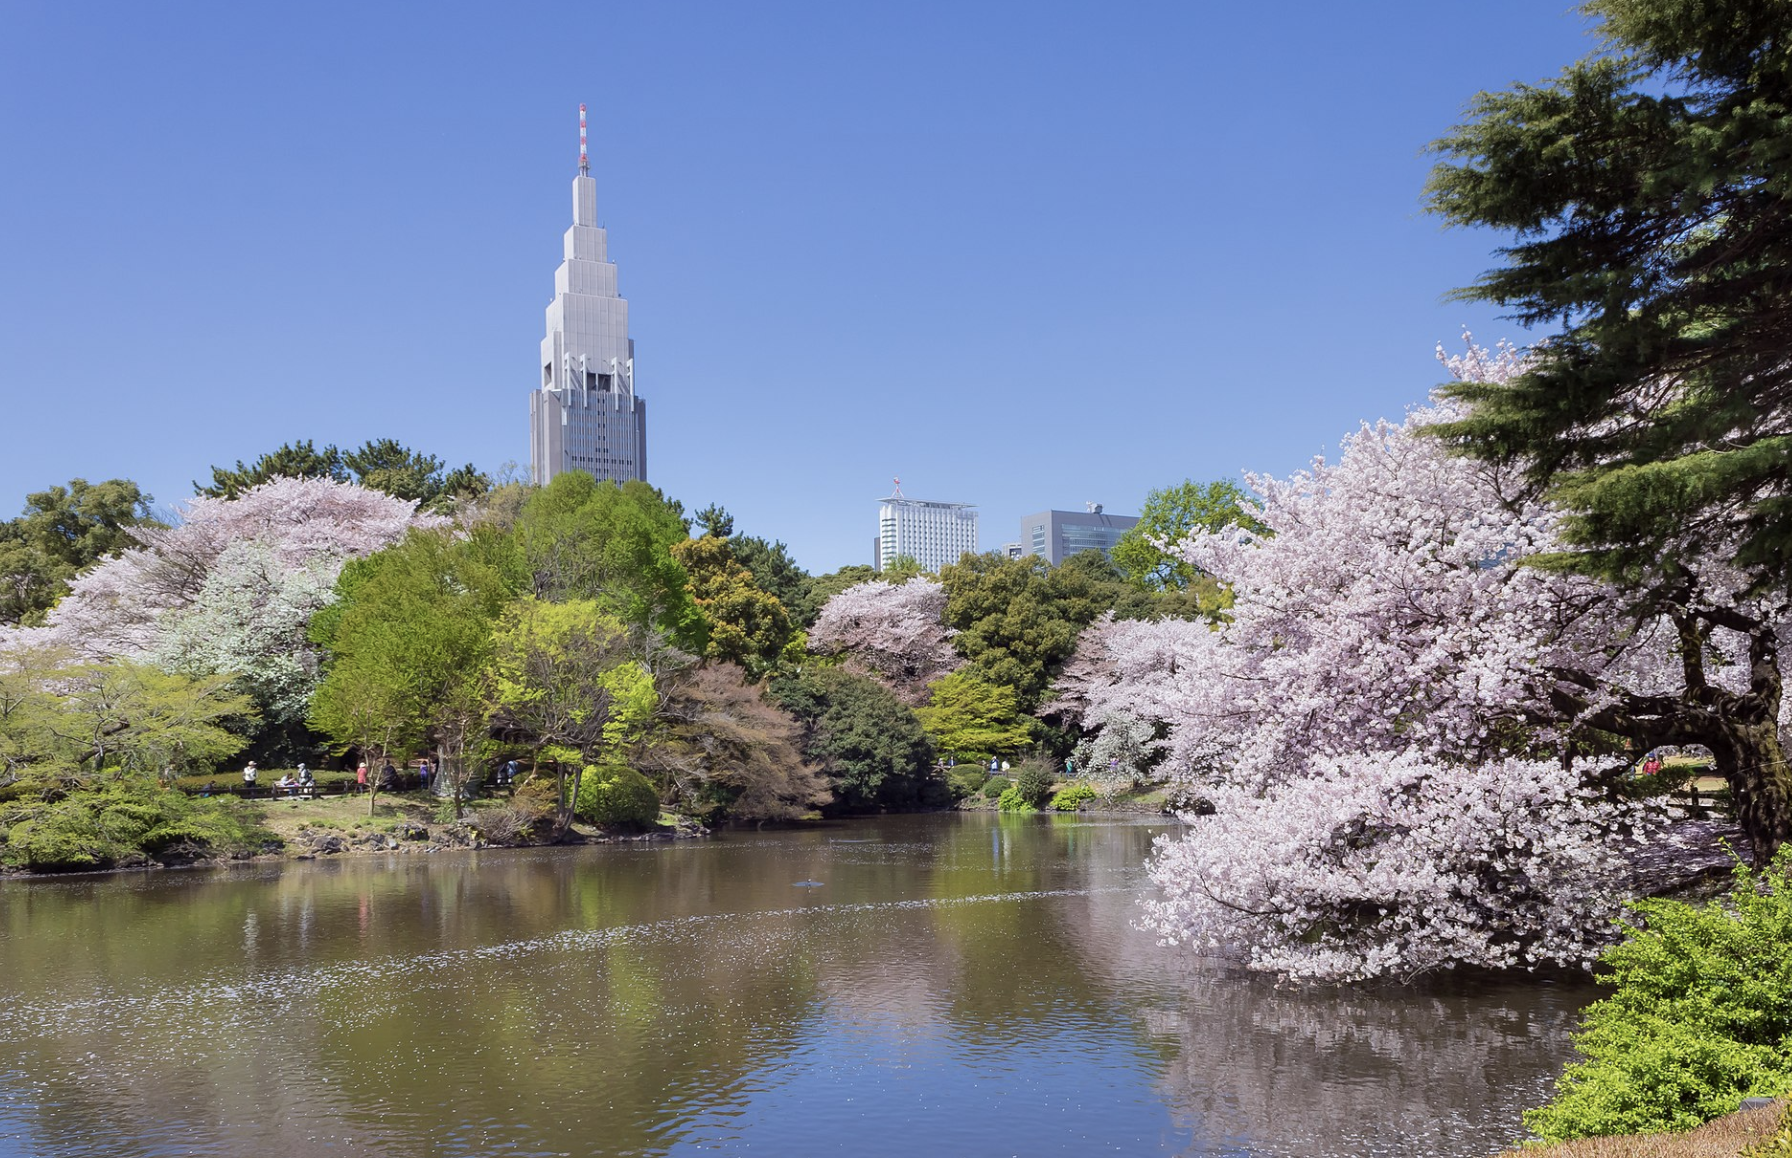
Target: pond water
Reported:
[(933, 985)]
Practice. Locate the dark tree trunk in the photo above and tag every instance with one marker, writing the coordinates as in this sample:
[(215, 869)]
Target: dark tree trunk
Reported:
[(1750, 759)]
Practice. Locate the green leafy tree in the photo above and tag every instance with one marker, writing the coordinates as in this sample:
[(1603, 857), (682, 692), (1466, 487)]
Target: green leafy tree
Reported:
[(382, 464), (1168, 516), (564, 677), (418, 617), (746, 625), (777, 574), (585, 539), (66, 726), (1645, 190), (967, 717), (62, 532), (1018, 619), (864, 739), (291, 460)]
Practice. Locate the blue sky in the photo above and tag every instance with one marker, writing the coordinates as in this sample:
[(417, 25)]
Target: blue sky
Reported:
[(1022, 255)]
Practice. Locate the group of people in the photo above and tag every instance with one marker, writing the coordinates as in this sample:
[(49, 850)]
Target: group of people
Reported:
[(296, 783), (302, 783)]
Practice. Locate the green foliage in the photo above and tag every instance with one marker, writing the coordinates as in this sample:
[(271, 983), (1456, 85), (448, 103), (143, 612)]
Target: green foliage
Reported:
[(997, 785), (746, 625), (966, 780), (1701, 1016), (382, 464), (1645, 193), (1169, 515), (557, 672), (1034, 783), (868, 742), (1071, 798), (969, 717), (126, 822), (1018, 619), (585, 539), (410, 641), (69, 725), (62, 531), (1014, 800), (616, 796), (777, 574)]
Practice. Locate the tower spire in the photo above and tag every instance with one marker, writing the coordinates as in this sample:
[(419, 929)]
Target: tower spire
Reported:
[(584, 157)]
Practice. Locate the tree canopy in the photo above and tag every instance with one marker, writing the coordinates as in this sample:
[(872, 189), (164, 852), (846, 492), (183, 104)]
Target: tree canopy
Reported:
[(381, 464), (1167, 517), (1646, 190), (63, 531)]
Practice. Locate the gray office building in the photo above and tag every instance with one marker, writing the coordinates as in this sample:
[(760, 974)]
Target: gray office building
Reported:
[(1057, 535), (585, 414)]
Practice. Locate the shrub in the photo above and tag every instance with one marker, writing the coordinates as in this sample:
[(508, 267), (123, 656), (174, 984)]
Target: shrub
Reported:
[(1701, 1018), (126, 823), (1012, 800), (1034, 783), (1072, 797), (966, 780), (616, 796), (996, 785)]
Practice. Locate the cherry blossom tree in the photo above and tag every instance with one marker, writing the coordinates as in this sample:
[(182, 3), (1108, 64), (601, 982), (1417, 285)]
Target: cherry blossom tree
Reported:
[(1368, 867), (895, 632), (122, 606), (229, 590), (1393, 663)]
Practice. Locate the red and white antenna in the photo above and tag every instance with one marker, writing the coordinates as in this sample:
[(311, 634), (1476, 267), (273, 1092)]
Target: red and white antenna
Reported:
[(898, 491), (584, 157)]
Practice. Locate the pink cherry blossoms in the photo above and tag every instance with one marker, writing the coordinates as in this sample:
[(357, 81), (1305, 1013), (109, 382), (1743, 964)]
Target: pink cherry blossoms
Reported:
[(272, 553), (1380, 718), (894, 631)]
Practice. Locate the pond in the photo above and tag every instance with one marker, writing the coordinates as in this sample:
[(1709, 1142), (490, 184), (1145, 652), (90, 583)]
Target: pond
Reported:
[(936, 985)]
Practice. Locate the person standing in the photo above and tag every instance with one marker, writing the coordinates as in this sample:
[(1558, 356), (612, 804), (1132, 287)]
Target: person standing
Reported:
[(361, 777), (423, 771), (249, 778)]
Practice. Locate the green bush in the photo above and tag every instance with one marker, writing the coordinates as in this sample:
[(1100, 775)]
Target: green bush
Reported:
[(1012, 800), (1072, 797), (616, 796), (966, 780), (126, 823), (1034, 783), (996, 785), (1701, 1017)]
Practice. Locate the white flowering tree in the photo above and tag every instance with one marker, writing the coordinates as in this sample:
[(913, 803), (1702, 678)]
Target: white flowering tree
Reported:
[(895, 632), (1390, 665), (1364, 867), (229, 588)]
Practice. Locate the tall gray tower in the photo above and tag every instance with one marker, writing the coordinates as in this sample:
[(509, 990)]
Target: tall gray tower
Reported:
[(585, 416)]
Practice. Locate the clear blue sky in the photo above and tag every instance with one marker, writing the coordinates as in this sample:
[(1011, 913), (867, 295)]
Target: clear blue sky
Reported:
[(1023, 255)]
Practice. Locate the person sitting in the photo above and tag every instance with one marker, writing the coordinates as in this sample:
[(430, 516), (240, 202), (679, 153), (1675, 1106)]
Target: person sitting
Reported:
[(287, 783), (307, 785)]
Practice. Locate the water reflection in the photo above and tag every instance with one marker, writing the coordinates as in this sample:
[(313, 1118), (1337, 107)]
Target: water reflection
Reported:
[(955, 984)]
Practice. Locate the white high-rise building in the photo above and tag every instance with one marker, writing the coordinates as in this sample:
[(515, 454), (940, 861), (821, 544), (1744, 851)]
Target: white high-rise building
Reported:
[(585, 415), (932, 534)]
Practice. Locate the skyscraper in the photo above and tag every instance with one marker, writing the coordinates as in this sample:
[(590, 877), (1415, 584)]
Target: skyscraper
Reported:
[(932, 534), (585, 415)]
